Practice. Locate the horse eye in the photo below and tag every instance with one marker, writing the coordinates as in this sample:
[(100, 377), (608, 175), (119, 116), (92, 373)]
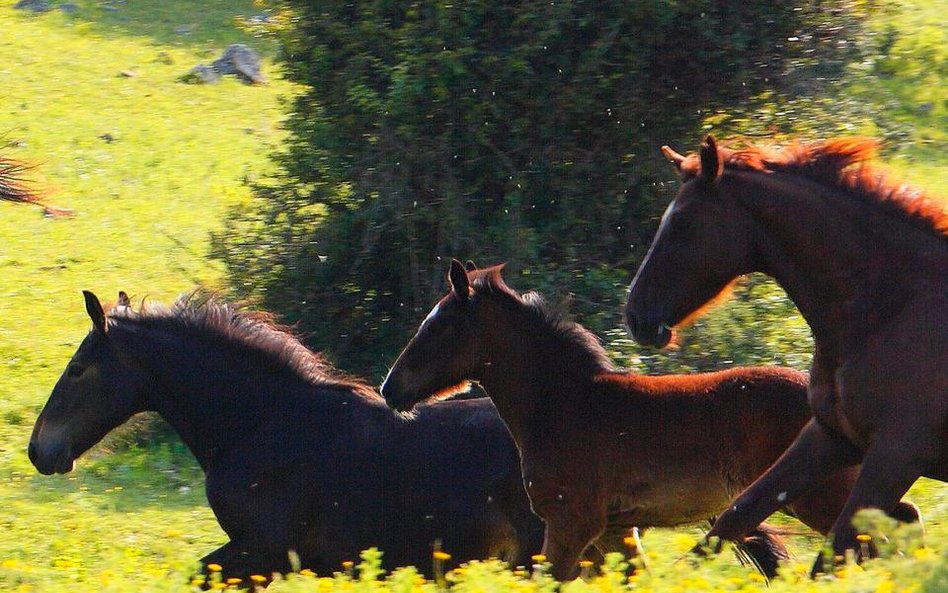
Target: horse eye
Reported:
[(74, 370)]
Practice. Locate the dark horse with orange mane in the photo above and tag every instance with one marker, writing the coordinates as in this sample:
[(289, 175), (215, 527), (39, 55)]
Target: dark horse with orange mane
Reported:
[(866, 262), (297, 456), (603, 451)]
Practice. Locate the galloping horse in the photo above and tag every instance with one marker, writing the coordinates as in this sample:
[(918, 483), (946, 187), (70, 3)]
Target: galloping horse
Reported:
[(866, 262), (296, 455), (602, 450)]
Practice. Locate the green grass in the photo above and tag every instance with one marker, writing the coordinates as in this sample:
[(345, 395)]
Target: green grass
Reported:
[(144, 205), (136, 519)]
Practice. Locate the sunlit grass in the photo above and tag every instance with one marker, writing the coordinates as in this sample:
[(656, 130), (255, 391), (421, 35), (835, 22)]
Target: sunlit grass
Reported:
[(148, 165)]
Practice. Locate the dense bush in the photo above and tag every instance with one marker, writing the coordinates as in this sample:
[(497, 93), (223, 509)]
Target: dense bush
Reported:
[(525, 132)]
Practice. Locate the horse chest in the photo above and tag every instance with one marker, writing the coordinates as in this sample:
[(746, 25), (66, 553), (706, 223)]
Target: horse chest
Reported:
[(827, 396)]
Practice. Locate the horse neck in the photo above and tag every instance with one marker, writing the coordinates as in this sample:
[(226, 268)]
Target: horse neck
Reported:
[(525, 370), (211, 396), (843, 263)]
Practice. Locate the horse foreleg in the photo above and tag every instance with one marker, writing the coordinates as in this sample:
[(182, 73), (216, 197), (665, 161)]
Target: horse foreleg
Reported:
[(567, 537), (889, 468), (242, 562), (812, 455)]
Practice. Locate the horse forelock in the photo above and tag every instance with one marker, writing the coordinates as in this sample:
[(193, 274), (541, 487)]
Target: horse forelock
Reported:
[(571, 336), (841, 163), (255, 331)]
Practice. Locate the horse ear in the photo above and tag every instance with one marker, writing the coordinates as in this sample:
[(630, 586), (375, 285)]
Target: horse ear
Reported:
[(673, 157), (123, 300), (470, 266), (94, 309), (711, 165), (459, 280)]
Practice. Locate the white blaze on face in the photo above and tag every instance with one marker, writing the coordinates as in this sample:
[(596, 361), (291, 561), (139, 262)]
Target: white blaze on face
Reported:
[(434, 313), (666, 217), (658, 234)]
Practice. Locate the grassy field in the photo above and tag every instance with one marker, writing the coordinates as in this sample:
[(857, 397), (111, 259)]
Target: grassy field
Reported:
[(149, 165), (144, 203)]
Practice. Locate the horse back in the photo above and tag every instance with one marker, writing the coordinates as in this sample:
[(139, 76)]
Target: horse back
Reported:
[(739, 420)]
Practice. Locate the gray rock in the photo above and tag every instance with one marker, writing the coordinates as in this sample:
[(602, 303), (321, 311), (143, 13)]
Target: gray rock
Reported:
[(241, 60), (259, 19), (201, 74), (34, 5)]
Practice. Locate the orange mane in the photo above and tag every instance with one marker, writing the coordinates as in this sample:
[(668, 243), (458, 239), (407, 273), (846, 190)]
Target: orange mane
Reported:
[(841, 163)]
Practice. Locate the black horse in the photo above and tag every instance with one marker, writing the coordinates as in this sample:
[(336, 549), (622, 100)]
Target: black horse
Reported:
[(296, 455)]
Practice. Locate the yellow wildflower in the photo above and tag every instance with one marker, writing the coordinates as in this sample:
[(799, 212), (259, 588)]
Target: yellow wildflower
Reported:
[(258, 578), (214, 567), (538, 558), (439, 555), (922, 554), (864, 538)]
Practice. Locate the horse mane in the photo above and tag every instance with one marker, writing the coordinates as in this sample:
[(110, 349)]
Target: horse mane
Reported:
[(575, 340), (258, 332), (843, 164)]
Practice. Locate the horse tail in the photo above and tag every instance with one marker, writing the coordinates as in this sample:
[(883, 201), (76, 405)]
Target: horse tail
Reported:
[(763, 548), (14, 187)]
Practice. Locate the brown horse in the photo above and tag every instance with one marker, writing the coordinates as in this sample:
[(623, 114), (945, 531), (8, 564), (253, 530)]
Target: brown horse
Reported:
[(866, 262), (603, 450)]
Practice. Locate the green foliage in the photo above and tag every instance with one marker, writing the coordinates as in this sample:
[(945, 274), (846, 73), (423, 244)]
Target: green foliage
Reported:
[(754, 324), (522, 132)]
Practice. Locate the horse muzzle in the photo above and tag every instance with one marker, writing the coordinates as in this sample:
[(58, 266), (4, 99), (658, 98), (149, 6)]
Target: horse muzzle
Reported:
[(400, 402), (656, 335), (49, 460), (396, 395)]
